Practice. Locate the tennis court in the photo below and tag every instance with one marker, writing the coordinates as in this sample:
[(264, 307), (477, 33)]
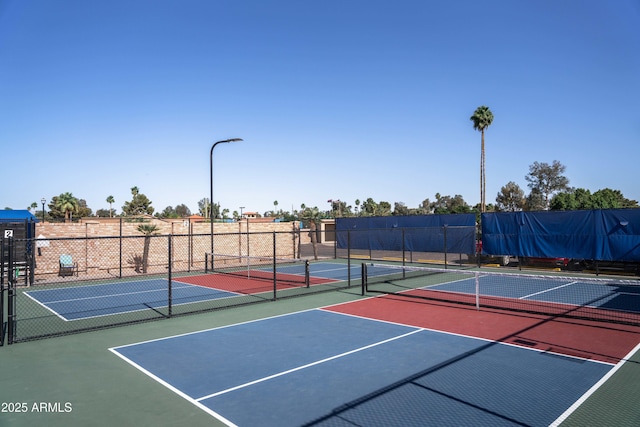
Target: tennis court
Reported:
[(95, 300), (392, 360)]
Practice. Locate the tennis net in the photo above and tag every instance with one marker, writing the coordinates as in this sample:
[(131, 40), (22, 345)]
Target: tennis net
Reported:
[(284, 271), (600, 299)]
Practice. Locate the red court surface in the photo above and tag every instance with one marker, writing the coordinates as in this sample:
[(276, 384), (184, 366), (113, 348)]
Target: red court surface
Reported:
[(605, 342), (257, 282)]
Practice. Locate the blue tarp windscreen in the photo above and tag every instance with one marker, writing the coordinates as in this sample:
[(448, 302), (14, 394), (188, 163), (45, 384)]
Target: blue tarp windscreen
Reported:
[(422, 233), (607, 235)]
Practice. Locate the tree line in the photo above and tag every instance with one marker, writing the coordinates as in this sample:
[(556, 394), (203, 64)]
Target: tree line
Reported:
[(548, 190)]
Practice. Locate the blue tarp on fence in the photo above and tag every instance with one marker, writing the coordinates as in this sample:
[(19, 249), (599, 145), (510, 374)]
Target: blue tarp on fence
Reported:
[(604, 234), (422, 233)]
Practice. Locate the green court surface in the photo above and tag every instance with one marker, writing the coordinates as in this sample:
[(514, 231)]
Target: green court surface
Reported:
[(76, 381)]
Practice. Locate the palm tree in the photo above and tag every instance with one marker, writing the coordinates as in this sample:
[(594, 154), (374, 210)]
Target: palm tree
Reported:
[(110, 200), (67, 204), (313, 215), (275, 206), (148, 230), (482, 119)]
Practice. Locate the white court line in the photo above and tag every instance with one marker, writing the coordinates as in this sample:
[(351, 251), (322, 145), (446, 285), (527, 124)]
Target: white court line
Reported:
[(109, 295), (548, 290), (46, 305), (308, 365), (593, 389)]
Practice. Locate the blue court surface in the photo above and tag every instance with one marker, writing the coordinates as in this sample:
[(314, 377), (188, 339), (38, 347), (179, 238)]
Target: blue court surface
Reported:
[(95, 300), (84, 302), (344, 370), (613, 295)]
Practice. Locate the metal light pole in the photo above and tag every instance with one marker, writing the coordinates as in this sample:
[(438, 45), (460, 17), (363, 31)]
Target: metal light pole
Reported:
[(43, 200), (211, 184)]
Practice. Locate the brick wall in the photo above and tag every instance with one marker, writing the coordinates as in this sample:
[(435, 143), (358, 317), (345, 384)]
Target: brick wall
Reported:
[(104, 246)]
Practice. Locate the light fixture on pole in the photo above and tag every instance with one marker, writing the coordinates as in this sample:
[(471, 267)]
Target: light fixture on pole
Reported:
[(211, 185), (43, 200)]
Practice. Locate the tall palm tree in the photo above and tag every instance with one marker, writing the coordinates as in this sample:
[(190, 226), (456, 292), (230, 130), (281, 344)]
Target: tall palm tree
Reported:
[(110, 200), (67, 204), (482, 119)]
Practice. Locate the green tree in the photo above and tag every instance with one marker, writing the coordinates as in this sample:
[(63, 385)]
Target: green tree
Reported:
[(33, 206), (313, 216), (182, 210), (384, 209), (547, 179), (215, 210), (204, 207), (424, 208), (449, 205), (139, 204), (510, 198), (482, 119), (168, 212), (83, 210), (67, 204), (535, 201), (103, 213), (573, 199), (369, 207), (580, 198), (608, 198), (400, 209), (111, 201), (148, 230)]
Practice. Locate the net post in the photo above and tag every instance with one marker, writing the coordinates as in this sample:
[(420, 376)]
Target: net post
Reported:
[(477, 279), (206, 262), (306, 273), (363, 278)]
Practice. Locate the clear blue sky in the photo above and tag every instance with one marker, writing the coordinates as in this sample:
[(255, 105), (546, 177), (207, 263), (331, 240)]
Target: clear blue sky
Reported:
[(334, 99)]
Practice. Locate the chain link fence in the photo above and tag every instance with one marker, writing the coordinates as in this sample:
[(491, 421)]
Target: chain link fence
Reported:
[(58, 286)]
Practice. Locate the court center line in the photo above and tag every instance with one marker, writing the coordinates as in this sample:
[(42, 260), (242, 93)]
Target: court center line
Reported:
[(337, 356), (548, 290)]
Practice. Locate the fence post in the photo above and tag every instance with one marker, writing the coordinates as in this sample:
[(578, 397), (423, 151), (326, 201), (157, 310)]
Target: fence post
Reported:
[(274, 267), (348, 257), (120, 255), (2, 330), (11, 292), (404, 249), (170, 283), (445, 246)]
